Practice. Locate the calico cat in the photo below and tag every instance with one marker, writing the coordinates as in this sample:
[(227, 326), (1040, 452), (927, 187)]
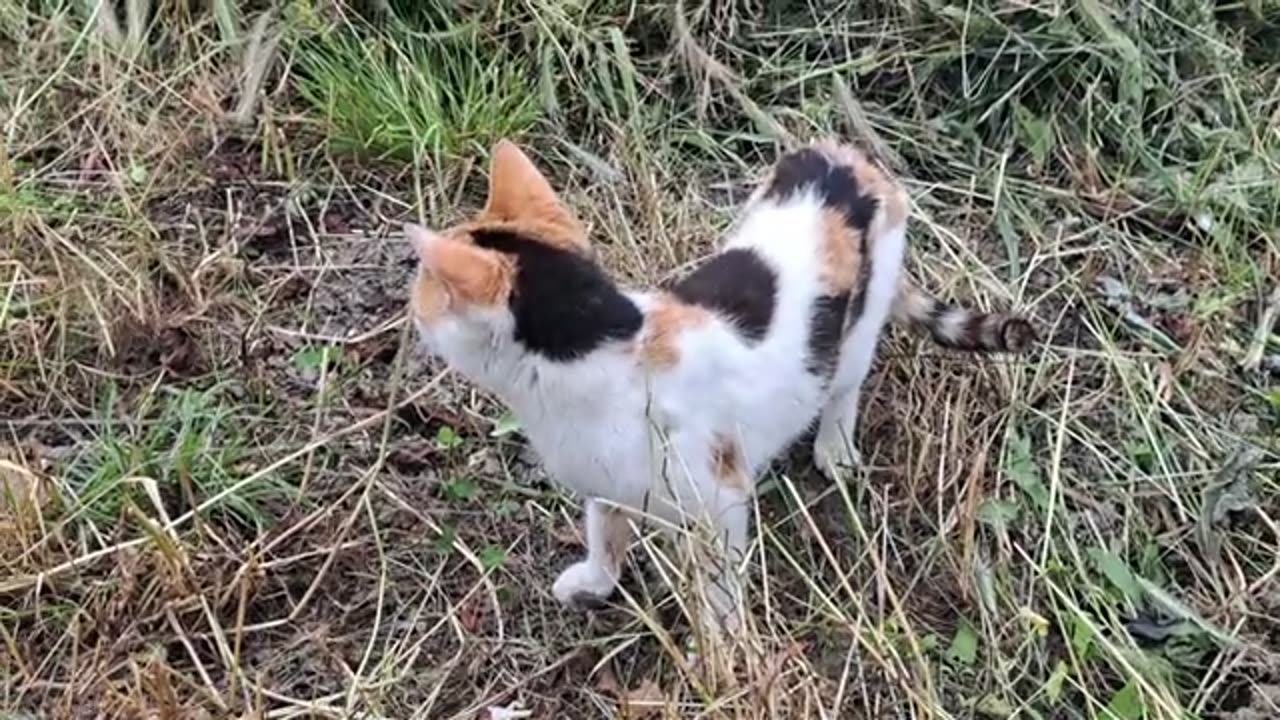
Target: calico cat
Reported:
[(668, 402)]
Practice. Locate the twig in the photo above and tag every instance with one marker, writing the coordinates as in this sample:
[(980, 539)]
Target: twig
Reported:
[(1258, 346)]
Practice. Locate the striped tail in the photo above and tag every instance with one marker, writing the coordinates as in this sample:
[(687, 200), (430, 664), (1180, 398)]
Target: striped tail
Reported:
[(958, 327)]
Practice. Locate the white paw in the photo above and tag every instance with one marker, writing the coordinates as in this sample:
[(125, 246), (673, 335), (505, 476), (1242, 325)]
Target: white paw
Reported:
[(720, 611), (720, 620), (583, 585), (836, 455)]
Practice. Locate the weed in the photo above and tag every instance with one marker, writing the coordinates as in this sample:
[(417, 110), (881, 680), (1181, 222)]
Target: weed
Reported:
[(193, 444), (392, 93)]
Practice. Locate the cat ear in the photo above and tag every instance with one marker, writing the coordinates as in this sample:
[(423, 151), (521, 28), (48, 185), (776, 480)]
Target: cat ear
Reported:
[(421, 239), (519, 193), (471, 274), (517, 188)]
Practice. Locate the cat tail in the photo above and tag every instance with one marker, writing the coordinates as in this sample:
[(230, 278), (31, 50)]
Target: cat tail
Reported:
[(958, 327)]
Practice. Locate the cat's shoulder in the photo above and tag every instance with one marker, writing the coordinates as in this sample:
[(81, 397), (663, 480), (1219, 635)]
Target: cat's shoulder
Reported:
[(846, 179)]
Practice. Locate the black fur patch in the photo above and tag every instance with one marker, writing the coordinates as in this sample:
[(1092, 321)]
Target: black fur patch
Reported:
[(974, 338), (837, 185), (827, 328), (564, 304), (851, 313), (859, 300), (736, 284)]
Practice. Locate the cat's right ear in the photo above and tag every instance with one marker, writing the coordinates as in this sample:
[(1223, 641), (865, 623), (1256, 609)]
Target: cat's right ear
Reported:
[(421, 240), (469, 273), (517, 189)]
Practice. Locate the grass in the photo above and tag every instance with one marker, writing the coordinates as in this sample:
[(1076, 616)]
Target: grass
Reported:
[(228, 484), (195, 445), (398, 93)]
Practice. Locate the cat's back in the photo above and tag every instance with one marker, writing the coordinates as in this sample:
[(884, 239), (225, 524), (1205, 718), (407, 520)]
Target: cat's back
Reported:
[(809, 237), (819, 213), (751, 337)]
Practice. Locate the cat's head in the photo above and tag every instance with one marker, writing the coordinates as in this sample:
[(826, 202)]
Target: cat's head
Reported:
[(519, 274)]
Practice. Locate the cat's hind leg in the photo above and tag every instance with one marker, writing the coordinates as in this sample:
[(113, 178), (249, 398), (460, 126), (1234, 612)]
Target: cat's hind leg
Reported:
[(835, 447), (588, 583)]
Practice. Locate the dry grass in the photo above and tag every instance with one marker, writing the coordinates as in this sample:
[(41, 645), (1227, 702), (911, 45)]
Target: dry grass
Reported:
[(229, 487)]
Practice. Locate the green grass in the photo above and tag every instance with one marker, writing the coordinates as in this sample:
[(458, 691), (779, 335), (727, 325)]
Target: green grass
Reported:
[(190, 445), (1086, 534), (394, 93)]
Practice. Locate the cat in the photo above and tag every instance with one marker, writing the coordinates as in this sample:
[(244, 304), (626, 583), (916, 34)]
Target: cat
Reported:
[(667, 403)]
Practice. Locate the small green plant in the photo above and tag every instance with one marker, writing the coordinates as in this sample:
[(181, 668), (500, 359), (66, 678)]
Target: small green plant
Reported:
[(505, 425), (964, 646), (493, 557), (1125, 704), (1020, 465), (315, 357), (189, 442), (461, 490), (394, 93), (447, 438), (443, 542)]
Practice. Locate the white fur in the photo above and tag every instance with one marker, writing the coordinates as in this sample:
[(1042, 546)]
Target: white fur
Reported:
[(608, 428)]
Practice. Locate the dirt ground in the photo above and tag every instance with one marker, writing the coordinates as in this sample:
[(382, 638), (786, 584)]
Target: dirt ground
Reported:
[(231, 485)]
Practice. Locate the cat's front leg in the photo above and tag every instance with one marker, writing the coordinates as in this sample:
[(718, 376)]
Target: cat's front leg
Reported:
[(588, 583), (834, 447), (723, 602)]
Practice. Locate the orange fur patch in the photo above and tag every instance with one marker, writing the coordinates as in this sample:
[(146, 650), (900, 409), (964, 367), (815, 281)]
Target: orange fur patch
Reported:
[(841, 253), (727, 463), (872, 180), (666, 321), (473, 275)]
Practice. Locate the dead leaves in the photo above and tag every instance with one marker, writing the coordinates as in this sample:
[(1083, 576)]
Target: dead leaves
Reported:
[(1117, 296), (1228, 494), (647, 700), (21, 491), (24, 497)]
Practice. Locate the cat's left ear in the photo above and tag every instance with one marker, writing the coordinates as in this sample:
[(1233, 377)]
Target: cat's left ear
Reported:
[(516, 186), (520, 193)]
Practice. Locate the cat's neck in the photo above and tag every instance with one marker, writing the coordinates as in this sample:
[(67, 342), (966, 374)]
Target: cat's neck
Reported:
[(536, 387)]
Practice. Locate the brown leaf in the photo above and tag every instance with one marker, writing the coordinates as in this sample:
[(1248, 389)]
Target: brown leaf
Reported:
[(608, 682), (775, 664), (22, 492), (471, 614), (646, 701)]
